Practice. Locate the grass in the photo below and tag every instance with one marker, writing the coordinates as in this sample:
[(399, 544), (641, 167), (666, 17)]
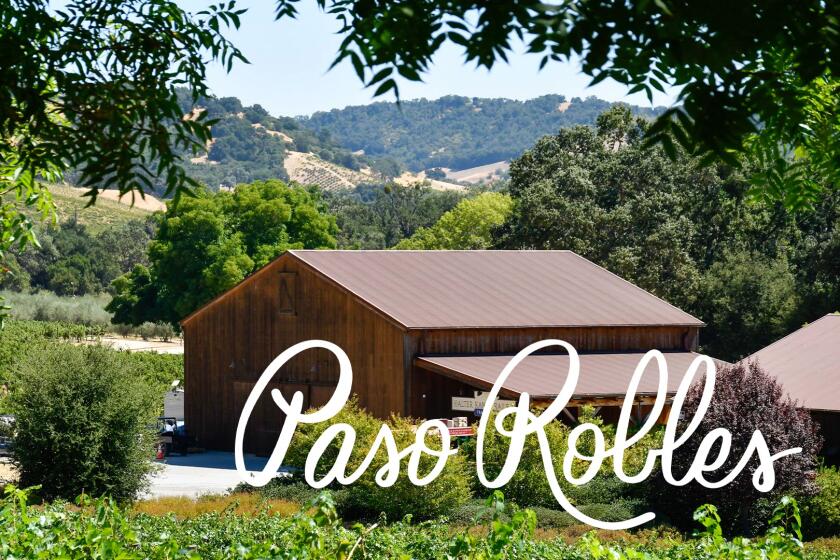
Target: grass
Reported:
[(239, 504), (104, 214)]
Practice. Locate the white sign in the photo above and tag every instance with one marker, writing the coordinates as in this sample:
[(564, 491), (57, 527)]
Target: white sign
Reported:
[(471, 404), (525, 423)]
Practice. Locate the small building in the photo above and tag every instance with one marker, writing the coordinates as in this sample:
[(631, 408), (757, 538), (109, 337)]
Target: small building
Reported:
[(807, 364), (426, 332)]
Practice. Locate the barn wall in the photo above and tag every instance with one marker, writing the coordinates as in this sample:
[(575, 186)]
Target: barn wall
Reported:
[(430, 393), (584, 339), (230, 343), (829, 425)]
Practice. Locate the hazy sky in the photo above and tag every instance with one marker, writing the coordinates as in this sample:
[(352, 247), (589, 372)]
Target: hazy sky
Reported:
[(289, 60)]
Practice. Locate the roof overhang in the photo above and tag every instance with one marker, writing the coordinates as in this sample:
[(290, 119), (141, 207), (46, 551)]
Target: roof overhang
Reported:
[(603, 376)]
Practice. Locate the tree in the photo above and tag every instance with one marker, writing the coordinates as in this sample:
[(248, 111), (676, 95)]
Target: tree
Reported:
[(90, 86), (82, 418), (746, 399), (467, 226), (756, 78), (752, 271), (208, 243), (748, 301), (379, 217)]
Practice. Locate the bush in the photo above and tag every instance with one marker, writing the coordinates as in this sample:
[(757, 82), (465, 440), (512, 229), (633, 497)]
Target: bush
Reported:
[(83, 422), (147, 330), (821, 512), (16, 337), (365, 498), (745, 399), (529, 486), (47, 306)]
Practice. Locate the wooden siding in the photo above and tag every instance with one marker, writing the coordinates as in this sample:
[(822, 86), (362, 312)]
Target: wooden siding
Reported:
[(584, 339), (430, 393), (230, 343), (433, 392)]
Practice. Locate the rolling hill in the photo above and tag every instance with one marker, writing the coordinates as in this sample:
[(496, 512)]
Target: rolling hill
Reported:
[(109, 210), (454, 132), (452, 141)]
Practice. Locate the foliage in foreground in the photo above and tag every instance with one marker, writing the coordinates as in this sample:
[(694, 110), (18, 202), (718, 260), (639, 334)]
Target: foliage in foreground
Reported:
[(365, 498), (821, 512), (84, 420), (102, 529), (746, 400), (757, 79)]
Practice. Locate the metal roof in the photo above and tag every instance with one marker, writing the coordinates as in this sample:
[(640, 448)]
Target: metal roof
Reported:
[(542, 375), (473, 289), (807, 363)]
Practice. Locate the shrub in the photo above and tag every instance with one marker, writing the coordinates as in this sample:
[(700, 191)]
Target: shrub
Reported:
[(365, 498), (47, 306), (745, 399), (147, 330), (121, 329), (529, 486), (18, 335), (83, 417), (164, 331), (821, 512)]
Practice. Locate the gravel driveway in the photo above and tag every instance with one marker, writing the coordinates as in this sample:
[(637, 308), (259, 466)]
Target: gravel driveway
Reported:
[(211, 472)]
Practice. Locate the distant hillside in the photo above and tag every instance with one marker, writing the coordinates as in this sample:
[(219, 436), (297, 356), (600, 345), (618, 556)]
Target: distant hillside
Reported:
[(108, 210), (454, 139), (454, 132), (250, 144)]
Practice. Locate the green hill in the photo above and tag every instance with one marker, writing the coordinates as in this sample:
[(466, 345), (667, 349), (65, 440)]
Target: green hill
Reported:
[(250, 144), (373, 143), (454, 132)]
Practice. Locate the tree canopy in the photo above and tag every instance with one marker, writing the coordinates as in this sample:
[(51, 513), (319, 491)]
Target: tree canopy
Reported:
[(90, 86), (685, 231), (208, 243), (755, 78), (455, 131), (468, 226)]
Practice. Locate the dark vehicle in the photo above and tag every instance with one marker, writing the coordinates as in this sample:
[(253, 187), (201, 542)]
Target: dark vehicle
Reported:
[(172, 437)]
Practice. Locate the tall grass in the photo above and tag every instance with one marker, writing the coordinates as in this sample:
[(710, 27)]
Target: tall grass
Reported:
[(184, 507), (46, 306)]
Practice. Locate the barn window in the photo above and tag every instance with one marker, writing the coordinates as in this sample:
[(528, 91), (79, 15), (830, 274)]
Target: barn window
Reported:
[(286, 304)]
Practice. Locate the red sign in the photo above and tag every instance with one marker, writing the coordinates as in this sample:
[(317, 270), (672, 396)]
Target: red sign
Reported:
[(461, 432)]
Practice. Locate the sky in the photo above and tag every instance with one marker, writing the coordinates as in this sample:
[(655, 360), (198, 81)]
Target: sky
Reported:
[(289, 71)]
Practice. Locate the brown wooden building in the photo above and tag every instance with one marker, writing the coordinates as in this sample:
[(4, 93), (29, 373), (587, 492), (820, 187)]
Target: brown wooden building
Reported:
[(807, 364), (420, 328)]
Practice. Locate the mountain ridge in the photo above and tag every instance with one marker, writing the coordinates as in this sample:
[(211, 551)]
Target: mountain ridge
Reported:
[(452, 140)]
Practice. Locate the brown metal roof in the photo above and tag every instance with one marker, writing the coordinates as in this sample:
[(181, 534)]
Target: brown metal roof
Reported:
[(471, 289), (542, 375), (807, 363)]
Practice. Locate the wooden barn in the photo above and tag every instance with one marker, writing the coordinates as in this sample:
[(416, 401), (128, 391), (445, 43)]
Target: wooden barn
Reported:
[(426, 333), (807, 364)]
